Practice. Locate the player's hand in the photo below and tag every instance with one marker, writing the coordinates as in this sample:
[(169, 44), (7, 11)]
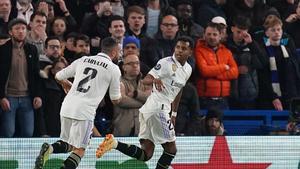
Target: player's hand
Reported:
[(158, 84), (37, 102), (290, 126), (5, 105), (277, 104), (66, 85), (173, 120)]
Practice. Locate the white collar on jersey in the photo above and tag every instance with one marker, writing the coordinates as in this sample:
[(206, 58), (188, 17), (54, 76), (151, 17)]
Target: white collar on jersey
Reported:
[(104, 55), (178, 64)]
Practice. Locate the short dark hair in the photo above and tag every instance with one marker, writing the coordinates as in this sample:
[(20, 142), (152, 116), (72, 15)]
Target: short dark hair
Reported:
[(82, 37), (241, 22), (186, 39), (107, 44), (37, 13), (51, 38), (214, 25), (71, 35), (136, 9), (116, 18)]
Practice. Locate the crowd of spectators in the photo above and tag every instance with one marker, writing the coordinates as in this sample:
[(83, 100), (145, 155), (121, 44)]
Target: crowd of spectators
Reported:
[(245, 57)]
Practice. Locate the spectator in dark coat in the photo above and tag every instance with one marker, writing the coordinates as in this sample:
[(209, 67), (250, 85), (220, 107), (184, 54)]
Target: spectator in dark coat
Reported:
[(280, 74), (53, 96), (187, 26), (205, 10), (20, 89), (246, 52)]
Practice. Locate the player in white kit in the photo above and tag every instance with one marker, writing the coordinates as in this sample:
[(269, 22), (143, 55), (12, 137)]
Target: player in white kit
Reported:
[(169, 76), (93, 76)]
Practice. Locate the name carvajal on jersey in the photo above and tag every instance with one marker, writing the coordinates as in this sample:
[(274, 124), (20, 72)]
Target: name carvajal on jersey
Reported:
[(96, 62)]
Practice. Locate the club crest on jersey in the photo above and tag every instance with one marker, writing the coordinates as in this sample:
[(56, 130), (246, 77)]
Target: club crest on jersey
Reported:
[(157, 67), (174, 67)]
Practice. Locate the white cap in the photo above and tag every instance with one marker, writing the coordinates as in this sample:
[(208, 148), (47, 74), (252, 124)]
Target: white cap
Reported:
[(219, 20)]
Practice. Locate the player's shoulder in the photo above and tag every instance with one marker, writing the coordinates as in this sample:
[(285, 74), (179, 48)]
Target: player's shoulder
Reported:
[(166, 61)]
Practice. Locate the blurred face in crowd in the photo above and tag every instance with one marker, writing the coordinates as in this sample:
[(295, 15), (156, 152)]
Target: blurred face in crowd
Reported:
[(130, 49), (238, 34), (184, 11), (103, 8), (298, 10), (213, 124), (70, 43), (182, 51), (136, 21), (131, 65), (169, 27), (212, 36), (57, 67), (59, 27), (18, 32), (223, 32), (5, 8), (117, 29), (116, 53), (82, 47), (274, 33), (53, 49), (38, 23)]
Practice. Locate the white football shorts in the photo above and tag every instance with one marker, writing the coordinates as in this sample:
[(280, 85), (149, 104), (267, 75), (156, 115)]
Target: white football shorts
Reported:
[(76, 132), (158, 128)]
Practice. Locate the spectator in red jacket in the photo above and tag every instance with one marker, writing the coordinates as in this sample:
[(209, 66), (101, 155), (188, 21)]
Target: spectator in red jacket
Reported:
[(216, 67)]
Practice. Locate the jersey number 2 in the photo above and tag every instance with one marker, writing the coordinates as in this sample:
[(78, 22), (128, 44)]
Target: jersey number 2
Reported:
[(85, 80)]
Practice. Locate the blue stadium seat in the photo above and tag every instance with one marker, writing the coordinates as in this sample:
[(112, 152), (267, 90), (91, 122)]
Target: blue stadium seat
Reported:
[(254, 122)]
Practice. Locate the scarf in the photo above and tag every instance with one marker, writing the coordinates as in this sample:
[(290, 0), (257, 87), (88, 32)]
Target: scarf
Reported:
[(273, 66)]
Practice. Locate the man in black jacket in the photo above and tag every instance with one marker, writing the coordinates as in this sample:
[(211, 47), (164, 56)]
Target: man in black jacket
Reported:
[(19, 82), (246, 53)]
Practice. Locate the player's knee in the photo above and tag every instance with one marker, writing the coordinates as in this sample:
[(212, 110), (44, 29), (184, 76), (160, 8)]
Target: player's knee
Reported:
[(148, 155)]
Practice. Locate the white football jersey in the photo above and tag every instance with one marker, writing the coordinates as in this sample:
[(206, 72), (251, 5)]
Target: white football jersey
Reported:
[(93, 76), (174, 77)]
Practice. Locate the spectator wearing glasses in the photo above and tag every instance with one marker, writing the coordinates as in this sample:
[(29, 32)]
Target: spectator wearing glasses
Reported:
[(166, 37), (52, 51), (134, 95)]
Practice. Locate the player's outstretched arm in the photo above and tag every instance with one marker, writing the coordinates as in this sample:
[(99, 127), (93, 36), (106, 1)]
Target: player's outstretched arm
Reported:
[(175, 105)]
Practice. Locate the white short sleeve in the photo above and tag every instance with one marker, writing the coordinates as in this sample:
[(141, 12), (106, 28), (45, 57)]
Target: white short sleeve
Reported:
[(160, 70), (115, 89), (68, 72)]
